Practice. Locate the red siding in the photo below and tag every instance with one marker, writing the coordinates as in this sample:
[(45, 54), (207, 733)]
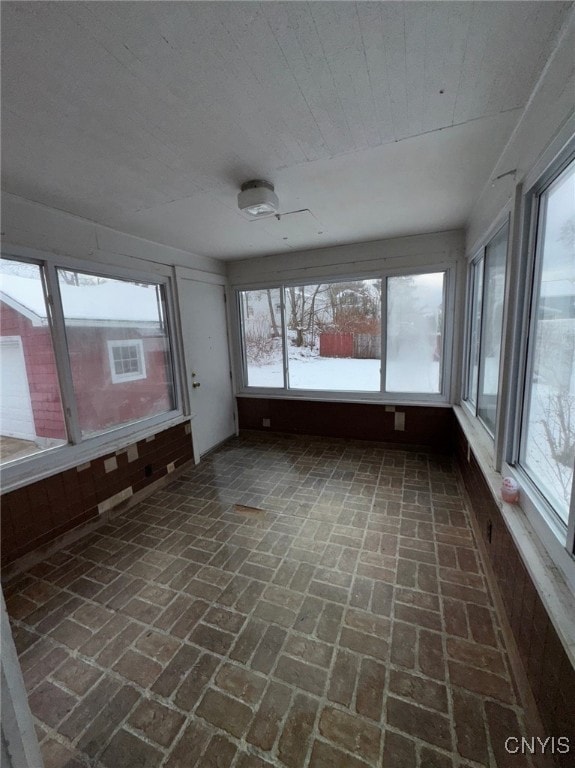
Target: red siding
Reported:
[(101, 403), (41, 371)]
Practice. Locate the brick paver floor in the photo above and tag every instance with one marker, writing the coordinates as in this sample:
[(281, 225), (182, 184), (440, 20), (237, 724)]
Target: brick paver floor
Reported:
[(288, 602)]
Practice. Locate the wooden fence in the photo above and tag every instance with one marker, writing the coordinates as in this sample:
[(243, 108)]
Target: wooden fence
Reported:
[(358, 345), (367, 345)]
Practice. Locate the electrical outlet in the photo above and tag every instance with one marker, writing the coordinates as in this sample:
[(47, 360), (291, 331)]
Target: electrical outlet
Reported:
[(266, 422)]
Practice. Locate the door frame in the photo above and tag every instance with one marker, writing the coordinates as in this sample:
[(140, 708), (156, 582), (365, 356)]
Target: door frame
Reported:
[(18, 735)]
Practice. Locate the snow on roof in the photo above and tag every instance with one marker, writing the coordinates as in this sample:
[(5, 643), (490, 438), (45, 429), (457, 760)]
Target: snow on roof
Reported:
[(554, 286), (112, 301)]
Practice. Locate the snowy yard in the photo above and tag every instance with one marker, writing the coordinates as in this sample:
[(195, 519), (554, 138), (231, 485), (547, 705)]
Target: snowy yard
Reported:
[(553, 477), (347, 375)]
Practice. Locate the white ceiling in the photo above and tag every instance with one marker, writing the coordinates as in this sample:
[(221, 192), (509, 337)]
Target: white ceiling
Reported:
[(381, 118)]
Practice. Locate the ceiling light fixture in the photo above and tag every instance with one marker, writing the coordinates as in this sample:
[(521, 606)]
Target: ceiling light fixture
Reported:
[(257, 198)]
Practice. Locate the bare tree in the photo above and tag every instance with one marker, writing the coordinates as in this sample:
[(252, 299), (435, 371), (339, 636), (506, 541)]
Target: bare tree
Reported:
[(558, 450), (275, 329), (302, 310), (567, 236)]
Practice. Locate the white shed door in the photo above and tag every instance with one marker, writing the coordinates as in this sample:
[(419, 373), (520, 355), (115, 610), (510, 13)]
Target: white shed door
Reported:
[(16, 417)]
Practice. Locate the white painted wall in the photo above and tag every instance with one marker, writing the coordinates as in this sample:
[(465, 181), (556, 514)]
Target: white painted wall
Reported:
[(548, 121), (349, 260), (26, 224)]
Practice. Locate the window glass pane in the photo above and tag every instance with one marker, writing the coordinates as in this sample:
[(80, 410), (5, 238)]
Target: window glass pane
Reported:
[(414, 332), (334, 336), (495, 257), (548, 444), (262, 337), (127, 360), (119, 350), (475, 330), (31, 418)]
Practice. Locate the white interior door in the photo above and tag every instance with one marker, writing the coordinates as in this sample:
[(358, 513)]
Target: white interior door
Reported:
[(16, 417), (207, 362)]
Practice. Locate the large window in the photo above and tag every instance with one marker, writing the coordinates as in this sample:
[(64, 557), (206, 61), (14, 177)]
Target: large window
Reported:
[(261, 317), (492, 327), (82, 354), (486, 293), (415, 332), (547, 450), (118, 349), (334, 336), (330, 336), (31, 415)]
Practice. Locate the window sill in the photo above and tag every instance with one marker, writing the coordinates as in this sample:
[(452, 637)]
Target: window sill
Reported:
[(366, 398), (553, 580), (30, 469)]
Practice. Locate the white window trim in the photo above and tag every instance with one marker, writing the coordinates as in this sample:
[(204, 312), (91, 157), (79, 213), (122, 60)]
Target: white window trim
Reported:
[(534, 502), (21, 472), (479, 257), (355, 396), (472, 266), (119, 378)]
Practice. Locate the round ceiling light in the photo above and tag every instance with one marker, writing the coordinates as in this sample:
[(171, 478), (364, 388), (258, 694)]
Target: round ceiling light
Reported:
[(257, 198)]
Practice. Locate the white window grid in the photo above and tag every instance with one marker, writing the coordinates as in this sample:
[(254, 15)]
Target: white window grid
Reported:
[(127, 360)]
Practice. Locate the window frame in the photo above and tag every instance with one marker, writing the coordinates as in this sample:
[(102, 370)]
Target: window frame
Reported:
[(121, 378), (20, 472), (470, 294), (380, 396), (445, 386), (534, 263), (537, 507), (480, 260)]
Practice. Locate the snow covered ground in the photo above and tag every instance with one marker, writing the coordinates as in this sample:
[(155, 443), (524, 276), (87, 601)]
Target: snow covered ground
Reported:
[(553, 478), (347, 375)]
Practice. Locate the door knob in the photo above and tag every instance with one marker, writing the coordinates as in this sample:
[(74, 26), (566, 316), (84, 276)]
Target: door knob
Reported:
[(196, 384)]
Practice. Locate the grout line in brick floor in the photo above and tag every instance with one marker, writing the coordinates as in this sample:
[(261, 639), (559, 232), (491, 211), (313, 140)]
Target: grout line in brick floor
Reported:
[(386, 681)]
